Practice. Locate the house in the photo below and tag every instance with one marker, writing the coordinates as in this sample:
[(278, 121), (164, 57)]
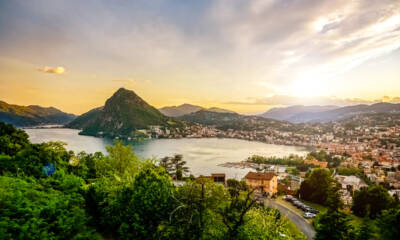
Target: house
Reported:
[(295, 182), (351, 183), (218, 177), (266, 182), (313, 161)]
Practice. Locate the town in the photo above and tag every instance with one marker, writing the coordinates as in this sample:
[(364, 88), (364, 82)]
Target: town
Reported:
[(365, 152)]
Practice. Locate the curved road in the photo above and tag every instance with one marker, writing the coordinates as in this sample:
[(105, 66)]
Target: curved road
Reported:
[(299, 221)]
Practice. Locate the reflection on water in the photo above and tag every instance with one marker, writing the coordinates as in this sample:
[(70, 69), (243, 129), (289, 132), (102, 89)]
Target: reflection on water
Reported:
[(202, 155)]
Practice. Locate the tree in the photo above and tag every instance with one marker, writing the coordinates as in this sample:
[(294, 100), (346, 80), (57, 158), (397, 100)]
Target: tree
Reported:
[(85, 165), (12, 140), (365, 231), (234, 211), (371, 200), (175, 166), (194, 216), (144, 205), (318, 186), (165, 162), (333, 225), (31, 159), (261, 223), (28, 212), (121, 160), (388, 224)]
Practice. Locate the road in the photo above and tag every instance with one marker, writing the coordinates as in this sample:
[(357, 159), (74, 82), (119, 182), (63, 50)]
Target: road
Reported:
[(299, 221)]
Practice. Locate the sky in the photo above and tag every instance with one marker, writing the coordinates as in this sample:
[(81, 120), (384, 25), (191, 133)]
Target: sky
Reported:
[(247, 56)]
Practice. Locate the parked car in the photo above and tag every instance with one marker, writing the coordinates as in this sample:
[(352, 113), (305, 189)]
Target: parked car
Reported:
[(304, 207), (288, 198), (313, 210), (309, 215), (296, 203)]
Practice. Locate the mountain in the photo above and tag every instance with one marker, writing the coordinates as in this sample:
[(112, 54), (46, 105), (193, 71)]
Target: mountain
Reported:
[(176, 111), (123, 113), (349, 111), (228, 120), (184, 109), (219, 110), (289, 113), (25, 116), (344, 112)]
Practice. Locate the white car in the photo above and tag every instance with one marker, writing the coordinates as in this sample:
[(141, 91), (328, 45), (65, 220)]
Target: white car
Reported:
[(309, 215)]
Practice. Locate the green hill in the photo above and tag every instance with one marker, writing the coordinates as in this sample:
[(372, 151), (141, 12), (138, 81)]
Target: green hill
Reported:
[(24, 116), (228, 120), (123, 114)]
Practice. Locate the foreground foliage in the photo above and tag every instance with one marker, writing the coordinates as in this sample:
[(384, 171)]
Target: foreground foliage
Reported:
[(47, 192)]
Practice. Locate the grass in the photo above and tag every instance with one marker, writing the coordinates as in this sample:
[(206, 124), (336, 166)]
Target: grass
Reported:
[(294, 230), (355, 220), (317, 206)]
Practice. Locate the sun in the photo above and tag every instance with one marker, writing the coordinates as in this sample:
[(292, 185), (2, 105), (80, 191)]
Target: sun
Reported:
[(307, 86)]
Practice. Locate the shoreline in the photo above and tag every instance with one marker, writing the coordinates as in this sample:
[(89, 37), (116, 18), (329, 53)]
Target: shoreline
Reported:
[(306, 147)]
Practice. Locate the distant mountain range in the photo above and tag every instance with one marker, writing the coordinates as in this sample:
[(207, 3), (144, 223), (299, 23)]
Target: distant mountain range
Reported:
[(25, 116), (123, 113), (184, 109), (301, 114)]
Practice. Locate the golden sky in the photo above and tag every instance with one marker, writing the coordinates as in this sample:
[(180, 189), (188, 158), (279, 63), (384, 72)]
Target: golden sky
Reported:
[(247, 56)]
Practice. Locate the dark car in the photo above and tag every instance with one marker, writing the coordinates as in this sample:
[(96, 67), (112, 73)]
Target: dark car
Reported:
[(296, 202), (312, 210), (304, 207)]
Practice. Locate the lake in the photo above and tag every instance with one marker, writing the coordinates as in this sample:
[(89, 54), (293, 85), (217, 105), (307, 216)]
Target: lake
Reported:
[(202, 155)]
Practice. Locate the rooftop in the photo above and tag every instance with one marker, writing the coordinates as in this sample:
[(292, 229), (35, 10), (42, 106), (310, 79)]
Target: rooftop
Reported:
[(260, 176)]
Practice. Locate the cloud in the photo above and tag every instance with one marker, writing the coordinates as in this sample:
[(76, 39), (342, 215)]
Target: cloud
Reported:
[(290, 101), (325, 38), (229, 43), (53, 70)]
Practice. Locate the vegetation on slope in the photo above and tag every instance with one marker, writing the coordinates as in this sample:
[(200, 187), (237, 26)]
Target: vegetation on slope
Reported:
[(123, 114), (226, 120), (32, 115)]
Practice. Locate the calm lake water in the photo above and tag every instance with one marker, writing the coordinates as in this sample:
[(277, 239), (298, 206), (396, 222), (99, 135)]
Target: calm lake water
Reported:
[(202, 155)]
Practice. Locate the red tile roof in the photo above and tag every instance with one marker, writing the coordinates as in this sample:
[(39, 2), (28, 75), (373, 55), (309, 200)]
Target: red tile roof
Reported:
[(260, 176)]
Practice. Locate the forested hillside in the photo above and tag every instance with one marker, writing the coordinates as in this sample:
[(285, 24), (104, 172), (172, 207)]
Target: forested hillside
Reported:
[(32, 115)]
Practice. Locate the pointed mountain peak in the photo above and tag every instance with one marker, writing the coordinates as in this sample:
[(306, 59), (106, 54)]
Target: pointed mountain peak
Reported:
[(125, 96), (124, 92)]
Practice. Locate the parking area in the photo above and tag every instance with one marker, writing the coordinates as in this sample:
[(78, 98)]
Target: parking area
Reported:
[(294, 216), (308, 211)]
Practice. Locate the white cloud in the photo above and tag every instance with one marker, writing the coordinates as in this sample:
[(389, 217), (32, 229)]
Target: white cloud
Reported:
[(53, 70)]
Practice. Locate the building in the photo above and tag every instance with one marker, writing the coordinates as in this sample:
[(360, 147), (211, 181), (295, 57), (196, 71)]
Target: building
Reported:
[(321, 164), (262, 182), (218, 177), (295, 182), (351, 183)]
